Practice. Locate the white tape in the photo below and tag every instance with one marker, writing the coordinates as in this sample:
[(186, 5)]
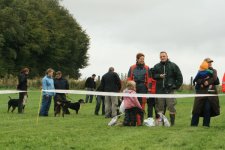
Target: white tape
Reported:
[(82, 92), (132, 95), (10, 91)]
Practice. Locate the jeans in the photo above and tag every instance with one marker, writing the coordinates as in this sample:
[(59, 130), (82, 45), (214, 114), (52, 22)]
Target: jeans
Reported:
[(151, 106), (46, 103), (99, 100), (89, 96), (206, 116)]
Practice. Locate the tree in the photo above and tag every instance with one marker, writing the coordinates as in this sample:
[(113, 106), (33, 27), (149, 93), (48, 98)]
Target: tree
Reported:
[(40, 34)]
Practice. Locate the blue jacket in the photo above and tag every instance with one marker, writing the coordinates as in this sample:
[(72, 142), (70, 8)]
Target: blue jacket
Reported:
[(48, 84)]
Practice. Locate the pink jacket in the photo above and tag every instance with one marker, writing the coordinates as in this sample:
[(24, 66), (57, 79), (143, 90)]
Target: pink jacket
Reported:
[(130, 102)]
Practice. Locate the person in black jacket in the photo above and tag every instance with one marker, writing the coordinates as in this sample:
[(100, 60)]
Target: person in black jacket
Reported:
[(22, 77), (168, 79), (90, 85), (60, 84), (111, 83), (206, 107)]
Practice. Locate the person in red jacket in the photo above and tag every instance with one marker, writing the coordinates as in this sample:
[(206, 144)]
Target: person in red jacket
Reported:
[(139, 73), (223, 83)]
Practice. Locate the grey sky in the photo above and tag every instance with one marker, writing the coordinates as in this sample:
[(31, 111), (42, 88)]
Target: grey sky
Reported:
[(189, 30)]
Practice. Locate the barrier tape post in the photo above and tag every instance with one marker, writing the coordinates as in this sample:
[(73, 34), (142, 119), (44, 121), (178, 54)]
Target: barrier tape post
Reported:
[(39, 107)]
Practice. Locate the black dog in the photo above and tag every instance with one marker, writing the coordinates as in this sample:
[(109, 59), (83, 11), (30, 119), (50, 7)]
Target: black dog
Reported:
[(13, 103), (68, 104), (75, 106)]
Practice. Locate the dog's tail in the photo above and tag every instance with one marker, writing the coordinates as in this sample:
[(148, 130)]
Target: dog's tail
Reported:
[(10, 97)]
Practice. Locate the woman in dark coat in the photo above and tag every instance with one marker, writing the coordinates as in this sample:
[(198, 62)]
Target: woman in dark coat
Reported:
[(206, 107), (22, 79)]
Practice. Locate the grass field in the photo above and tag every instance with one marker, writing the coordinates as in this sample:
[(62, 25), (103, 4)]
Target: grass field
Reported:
[(86, 131)]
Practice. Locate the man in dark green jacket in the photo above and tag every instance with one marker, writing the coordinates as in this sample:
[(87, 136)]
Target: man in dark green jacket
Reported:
[(168, 79)]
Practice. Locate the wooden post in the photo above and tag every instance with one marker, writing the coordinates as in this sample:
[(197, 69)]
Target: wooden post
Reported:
[(191, 83)]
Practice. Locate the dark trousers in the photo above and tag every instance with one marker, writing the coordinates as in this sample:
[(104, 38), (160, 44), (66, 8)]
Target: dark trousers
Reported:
[(20, 103), (89, 97), (206, 116), (131, 118), (61, 98), (45, 105), (99, 100), (151, 106)]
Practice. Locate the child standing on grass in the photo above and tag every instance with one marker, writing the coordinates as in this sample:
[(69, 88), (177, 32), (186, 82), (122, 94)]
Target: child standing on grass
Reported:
[(132, 106)]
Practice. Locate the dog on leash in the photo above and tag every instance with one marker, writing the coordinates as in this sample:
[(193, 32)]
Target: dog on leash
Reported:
[(14, 103), (68, 104)]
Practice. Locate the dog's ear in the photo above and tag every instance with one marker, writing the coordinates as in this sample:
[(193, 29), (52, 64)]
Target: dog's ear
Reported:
[(81, 101)]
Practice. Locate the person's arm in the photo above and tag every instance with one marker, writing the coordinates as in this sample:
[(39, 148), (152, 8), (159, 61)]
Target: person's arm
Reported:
[(135, 101), (102, 84), (129, 75), (156, 74), (223, 83), (94, 85), (45, 86), (118, 82), (213, 80), (179, 77), (87, 82), (67, 85)]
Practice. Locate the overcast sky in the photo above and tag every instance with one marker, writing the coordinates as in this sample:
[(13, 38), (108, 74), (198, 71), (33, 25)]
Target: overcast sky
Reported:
[(189, 30)]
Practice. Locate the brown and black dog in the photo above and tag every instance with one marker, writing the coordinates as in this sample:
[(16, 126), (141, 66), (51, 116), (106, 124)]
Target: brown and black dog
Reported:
[(64, 105)]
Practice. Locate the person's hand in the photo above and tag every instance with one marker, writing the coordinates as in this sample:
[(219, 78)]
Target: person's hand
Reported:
[(206, 83), (162, 76)]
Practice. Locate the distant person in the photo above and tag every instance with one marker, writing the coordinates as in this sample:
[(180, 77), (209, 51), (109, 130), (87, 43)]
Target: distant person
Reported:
[(90, 85), (22, 79), (47, 84), (168, 79), (132, 106), (151, 101), (110, 82), (100, 100), (206, 107), (60, 84), (223, 83)]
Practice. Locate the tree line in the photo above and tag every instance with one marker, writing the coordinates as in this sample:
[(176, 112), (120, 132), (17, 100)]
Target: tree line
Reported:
[(39, 34)]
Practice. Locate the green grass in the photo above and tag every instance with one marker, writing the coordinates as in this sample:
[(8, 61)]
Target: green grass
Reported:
[(87, 131)]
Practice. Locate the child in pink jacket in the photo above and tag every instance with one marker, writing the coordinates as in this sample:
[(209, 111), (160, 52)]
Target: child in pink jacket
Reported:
[(132, 106)]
